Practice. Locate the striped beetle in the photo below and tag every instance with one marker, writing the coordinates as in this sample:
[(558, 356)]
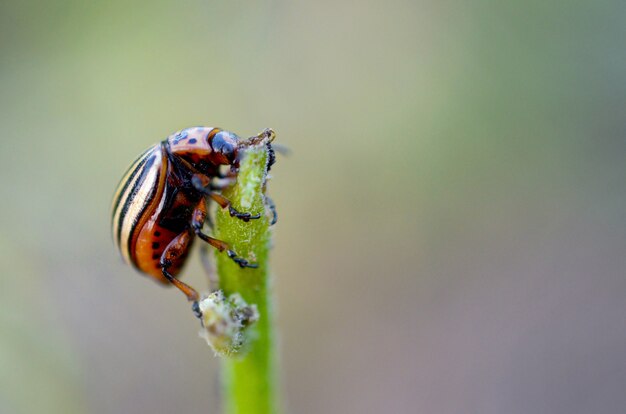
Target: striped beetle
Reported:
[(161, 202)]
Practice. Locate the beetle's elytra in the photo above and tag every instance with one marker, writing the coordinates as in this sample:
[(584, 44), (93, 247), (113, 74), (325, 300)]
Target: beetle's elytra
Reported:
[(161, 202)]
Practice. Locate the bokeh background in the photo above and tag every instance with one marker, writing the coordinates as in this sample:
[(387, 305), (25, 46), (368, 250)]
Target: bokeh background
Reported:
[(452, 232)]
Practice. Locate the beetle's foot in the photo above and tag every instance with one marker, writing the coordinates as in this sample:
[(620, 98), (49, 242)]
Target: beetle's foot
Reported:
[(242, 216), (241, 262), (272, 207), (195, 307)]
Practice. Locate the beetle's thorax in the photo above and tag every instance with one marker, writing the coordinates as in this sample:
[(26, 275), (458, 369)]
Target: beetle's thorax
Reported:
[(192, 144)]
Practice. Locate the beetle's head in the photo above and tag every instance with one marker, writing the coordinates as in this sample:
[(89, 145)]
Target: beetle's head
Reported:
[(225, 146)]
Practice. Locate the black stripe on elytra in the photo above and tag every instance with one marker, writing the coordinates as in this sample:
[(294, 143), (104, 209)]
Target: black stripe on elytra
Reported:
[(146, 204), (128, 181), (130, 199)]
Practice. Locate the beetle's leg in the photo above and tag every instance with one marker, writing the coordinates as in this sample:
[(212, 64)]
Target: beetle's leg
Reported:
[(197, 220), (170, 255), (206, 186), (225, 203), (271, 156), (203, 185), (221, 183), (208, 268), (200, 183), (272, 207)]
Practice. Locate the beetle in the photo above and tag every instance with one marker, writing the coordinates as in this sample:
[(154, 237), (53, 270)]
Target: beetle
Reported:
[(160, 204)]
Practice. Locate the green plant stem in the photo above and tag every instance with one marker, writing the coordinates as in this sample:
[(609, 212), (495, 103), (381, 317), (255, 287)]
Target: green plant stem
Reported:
[(249, 380)]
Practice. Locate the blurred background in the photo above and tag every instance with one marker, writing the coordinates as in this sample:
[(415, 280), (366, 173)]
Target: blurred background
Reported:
[(452, 228)]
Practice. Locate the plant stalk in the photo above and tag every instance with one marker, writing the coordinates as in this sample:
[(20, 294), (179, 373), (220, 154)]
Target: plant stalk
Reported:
[(249, 378)]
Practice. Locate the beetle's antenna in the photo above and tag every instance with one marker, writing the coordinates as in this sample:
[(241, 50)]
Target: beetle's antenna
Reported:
[(282, 149), (267, 134)]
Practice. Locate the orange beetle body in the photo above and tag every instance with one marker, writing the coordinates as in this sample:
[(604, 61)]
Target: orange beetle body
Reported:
[(161, 202)]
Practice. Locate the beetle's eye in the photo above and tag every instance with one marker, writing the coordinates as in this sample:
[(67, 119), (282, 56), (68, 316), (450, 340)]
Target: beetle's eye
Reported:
[(225, 143)]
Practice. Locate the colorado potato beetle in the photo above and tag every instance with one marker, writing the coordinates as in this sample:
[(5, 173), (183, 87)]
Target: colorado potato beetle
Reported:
[(161, 202)]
